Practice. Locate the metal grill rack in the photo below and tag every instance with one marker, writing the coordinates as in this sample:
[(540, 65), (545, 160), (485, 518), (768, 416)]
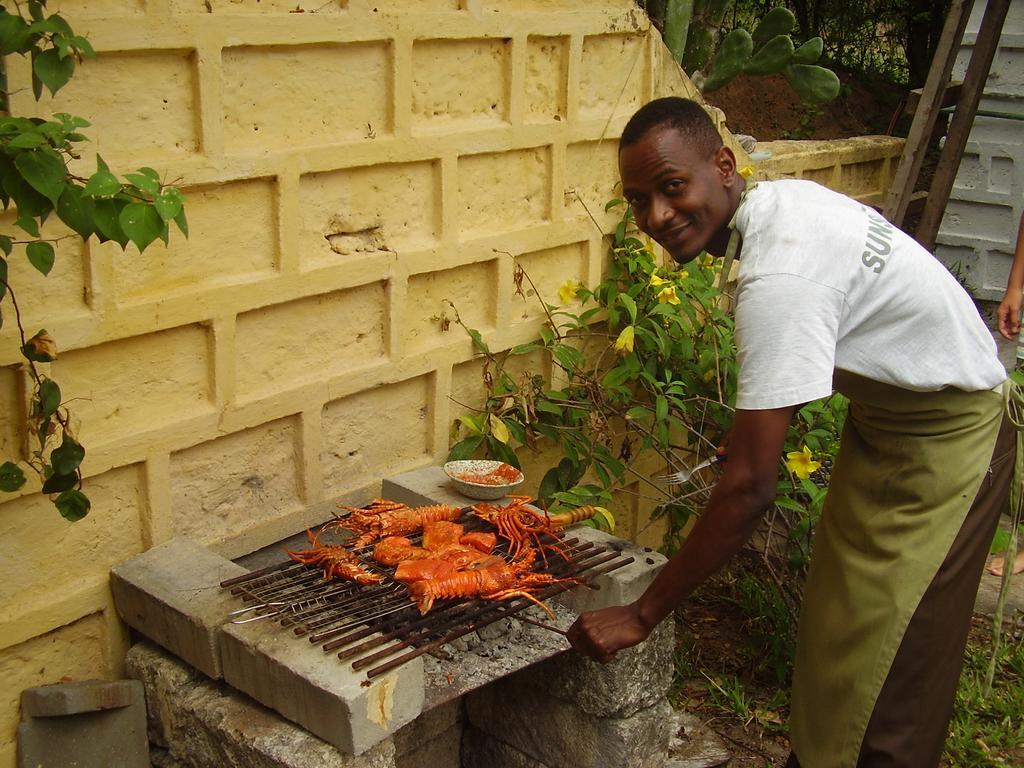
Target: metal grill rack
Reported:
[(368, 625)]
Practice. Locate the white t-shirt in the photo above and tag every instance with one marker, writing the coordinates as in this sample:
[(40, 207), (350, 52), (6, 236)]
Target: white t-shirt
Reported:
[(825, 283)]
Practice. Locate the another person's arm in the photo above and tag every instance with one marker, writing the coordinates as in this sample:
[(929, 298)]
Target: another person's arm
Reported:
[(1009, 308), (744, 490)]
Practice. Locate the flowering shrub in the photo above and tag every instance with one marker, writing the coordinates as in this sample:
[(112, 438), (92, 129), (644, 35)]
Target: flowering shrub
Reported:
[(645, 375)]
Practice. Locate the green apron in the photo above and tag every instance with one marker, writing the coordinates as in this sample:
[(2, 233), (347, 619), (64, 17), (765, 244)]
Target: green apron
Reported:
[(908, 469)]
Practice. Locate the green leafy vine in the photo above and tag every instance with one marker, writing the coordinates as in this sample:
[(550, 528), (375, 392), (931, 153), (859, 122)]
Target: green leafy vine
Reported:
[(36, 182)]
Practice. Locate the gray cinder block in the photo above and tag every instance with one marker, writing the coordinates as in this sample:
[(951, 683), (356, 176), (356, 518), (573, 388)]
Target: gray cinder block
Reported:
[(172, 595)]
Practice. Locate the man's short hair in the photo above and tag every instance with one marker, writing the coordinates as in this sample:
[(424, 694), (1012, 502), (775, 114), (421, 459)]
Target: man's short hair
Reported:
[(684, 115)]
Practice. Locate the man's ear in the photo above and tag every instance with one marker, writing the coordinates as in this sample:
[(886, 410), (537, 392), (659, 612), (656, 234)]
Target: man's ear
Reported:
[(725, 164)]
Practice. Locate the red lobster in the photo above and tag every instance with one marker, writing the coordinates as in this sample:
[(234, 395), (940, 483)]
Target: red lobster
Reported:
[(498, 581), (390, 518), (335, 561)]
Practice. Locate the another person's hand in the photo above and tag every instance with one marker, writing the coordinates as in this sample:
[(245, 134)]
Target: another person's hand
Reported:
[(1009, 315), (602, 634)]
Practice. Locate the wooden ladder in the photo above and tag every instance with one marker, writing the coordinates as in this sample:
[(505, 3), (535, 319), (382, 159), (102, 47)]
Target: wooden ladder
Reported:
[(934, 96)]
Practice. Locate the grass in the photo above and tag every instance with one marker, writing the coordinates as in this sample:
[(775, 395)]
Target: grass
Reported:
[(989, 730), (725, 675)]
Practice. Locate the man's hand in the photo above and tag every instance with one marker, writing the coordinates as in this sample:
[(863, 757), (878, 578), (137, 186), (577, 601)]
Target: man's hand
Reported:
[(602, 634), (1009, 315)]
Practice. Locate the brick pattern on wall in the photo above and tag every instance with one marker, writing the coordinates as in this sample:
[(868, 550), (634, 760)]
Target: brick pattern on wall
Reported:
[(350, 170)]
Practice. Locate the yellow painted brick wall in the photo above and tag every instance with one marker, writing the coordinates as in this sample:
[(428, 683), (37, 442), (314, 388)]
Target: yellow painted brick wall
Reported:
[(349, 170)]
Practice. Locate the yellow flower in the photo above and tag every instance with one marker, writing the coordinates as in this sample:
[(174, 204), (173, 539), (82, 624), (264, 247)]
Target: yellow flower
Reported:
[(624, 344), (656, 281), (568, 291), (746, 171), (668, 295), (801, 463), (706, 260), (683, 274)]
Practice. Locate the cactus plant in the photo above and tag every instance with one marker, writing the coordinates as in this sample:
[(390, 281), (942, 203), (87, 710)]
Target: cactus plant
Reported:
[(691, 32)]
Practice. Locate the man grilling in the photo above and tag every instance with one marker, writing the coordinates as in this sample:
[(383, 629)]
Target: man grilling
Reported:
[(831, 297)]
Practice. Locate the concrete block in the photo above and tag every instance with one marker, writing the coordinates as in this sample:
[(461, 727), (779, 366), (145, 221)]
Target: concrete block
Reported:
[(269, 91), (558, 733), (621, 586), (92, 724), (139, 103), (694, 745), (519, 191), (375, 432), (549, 270), (77, 698), (359, 212), (431, 724), (203, 724), (238, 216), (481, 749), (170, 372), (591, 175), (317, 690), (637, 679), (171, 594), (59, 295), (278, 346), (442, 751), (547, 72), (471, 288), (224, 486), (443, 97), (29, 582), (611, 75)]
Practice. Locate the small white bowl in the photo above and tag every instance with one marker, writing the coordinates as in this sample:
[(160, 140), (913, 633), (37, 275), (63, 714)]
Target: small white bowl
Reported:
[(459, 471)]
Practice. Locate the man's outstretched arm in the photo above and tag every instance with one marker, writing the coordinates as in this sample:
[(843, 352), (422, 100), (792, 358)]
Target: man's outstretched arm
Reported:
[(744, 490)]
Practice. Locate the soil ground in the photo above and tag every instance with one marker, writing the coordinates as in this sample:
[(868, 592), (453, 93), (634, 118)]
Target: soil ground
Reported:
[(768, 109)]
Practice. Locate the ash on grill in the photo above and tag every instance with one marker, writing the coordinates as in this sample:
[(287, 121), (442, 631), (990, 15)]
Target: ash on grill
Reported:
[(368, 625)]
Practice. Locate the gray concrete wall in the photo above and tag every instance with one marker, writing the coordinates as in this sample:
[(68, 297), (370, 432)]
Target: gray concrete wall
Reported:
[(979, 228)]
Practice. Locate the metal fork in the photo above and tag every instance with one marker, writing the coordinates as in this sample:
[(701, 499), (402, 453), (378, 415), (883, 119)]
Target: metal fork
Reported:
[(684, 475)]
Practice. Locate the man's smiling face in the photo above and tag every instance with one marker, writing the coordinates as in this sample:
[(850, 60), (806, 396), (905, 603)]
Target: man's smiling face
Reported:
[(682, 197)]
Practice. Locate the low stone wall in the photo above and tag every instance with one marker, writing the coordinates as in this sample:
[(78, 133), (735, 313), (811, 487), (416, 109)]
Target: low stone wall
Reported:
[(861, 167)]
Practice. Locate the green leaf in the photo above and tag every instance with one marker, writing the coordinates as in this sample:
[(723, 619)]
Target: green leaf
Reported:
[(660, 408), (523, 349), (11, 477), (27, 223), (14, 34), (108, 220), (49, 397), (502, 452), (475, 424), (52, 70), (465, 449), (73, 505), (630, 305), (141, 223), (57, 483), (478, 341), (77, 211), (29, 139), (168, 203), (44, 170), (67, 458), (182, 222), (84, 46), (145, 179), (41, 256), (102, 184)]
